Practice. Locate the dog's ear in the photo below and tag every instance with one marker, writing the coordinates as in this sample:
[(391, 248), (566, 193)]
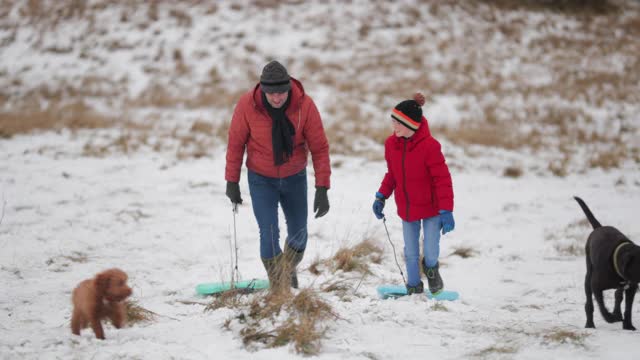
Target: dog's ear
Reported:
[(102, 283)]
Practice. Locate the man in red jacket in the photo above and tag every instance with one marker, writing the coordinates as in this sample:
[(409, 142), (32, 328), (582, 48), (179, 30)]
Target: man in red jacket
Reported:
[(419, 177), (278, 124)]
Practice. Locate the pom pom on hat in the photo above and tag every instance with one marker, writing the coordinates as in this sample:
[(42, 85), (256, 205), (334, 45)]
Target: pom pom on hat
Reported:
[(419, 98), (409, 112)]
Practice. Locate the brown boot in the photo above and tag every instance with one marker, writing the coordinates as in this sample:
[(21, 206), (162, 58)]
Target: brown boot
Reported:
[(277, 271), (293, 258)]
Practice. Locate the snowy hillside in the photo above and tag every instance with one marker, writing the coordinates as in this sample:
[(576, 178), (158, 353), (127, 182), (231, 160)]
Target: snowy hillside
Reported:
[(113, 119)]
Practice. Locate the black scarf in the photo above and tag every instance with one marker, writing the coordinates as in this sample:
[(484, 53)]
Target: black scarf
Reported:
[(282, 131)]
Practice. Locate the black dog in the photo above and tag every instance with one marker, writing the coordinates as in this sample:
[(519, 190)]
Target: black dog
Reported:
[(613, 262)]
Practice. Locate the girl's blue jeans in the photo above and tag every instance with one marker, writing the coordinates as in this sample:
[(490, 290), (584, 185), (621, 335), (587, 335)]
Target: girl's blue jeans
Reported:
[(291, 194), (411, 233)]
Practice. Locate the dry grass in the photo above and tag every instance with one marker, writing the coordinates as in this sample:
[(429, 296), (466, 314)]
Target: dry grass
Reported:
[(571, 240), (62, 263), (483, 133), (562, 336), (227, 299), (357, 258), (439, 306), (277, 319), (578, 7), (513, 172), (496, 350), (609, 159), (137, 314), (350, 259), (495, 107), (57, 116), (464, 252)]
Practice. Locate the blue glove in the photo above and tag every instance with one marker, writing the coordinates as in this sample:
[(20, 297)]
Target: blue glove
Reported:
[(446, 221), (378, 205)]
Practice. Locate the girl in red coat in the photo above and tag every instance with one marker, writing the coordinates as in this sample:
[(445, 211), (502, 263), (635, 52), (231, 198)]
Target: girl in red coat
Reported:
[(418, 176)]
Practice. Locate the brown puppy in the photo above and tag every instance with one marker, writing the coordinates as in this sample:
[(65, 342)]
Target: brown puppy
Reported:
[(99, 298)]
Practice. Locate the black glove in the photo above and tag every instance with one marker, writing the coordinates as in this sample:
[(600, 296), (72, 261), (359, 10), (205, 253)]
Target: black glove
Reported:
[(321, 202), (233, 192)]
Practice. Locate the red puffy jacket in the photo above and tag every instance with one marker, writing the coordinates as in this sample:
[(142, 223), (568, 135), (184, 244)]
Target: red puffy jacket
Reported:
[(251, 128), (418, 174)]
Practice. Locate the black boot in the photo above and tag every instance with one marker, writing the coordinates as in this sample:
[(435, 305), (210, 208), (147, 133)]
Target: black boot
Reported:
[(418, 289), (433, 278), (293, 257)]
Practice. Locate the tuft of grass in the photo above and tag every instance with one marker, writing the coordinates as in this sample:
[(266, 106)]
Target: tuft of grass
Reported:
[(56, 116), (496, 349), (562, 336), (464, 252), (314, 268), (512, 172), (357, 258), (439, 306), (569, 249), (577, 7), (227, 299), (571, 240), (608, 159), (137, 314), (276, 319)]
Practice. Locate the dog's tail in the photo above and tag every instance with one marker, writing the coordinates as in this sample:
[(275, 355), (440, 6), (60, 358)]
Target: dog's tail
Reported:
[(590, 217)]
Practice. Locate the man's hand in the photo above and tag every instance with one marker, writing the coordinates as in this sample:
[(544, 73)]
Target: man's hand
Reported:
[(321, 202), (233, 192)]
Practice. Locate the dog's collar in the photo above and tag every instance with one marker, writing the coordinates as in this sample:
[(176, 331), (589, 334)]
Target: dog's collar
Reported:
[(615, 257)]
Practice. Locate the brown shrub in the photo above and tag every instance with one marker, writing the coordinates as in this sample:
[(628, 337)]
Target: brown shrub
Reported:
[(357, 258), (276, 319), (512, 172), (608, 159), (137, 314), (76, 115)]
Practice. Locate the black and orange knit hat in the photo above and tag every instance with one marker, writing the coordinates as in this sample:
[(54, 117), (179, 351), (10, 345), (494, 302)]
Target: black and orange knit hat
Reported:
[(409, 112)]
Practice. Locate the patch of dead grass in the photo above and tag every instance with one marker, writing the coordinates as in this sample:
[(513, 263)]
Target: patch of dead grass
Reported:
[(57, 116), (512, 172), (276, 319), (563, 336), (357, 258), (464, 252), (137, 314), (496, 350), (571, 240), (569, 7), (609, 159)]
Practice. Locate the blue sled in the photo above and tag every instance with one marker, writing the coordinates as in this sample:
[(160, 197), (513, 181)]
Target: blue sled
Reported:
[(396, 291), (217, 288)]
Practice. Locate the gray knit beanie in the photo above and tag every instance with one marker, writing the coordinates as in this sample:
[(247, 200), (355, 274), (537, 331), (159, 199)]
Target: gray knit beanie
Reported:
[(274, 78)]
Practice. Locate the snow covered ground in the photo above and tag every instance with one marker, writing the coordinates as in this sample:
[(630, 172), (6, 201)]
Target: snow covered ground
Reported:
[(169, 225), (508, 89)]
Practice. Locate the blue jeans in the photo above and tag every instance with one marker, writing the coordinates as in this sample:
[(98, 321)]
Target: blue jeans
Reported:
[(411, 233), (291, 194)]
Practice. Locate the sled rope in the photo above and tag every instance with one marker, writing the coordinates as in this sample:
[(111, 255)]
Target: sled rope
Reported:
[(384, 222), (235, 277)]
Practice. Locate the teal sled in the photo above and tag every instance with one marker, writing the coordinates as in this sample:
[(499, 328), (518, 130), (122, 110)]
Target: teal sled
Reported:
[(220, 287), (396, 291)]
